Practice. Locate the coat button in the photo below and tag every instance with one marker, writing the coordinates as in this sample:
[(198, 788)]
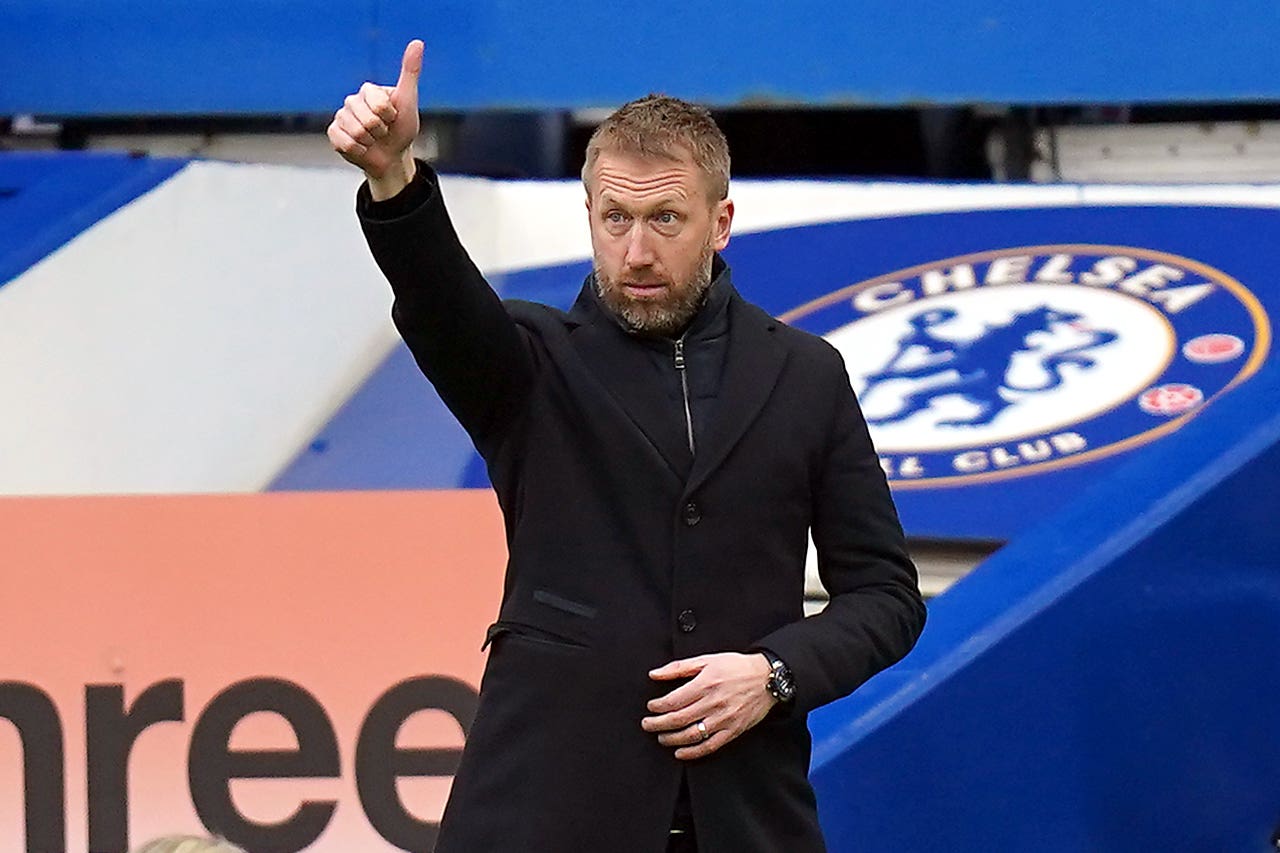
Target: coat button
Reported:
[(692, 515), (687, 621)]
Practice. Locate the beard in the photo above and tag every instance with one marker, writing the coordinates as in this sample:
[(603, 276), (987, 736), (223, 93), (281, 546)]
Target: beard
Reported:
[(666, 316)]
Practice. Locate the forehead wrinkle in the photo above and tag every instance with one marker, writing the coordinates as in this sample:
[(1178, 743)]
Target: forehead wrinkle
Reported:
[(659, 187), (652, 178)]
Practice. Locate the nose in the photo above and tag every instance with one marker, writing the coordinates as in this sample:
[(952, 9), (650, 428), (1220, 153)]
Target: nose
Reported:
[(639, 253)]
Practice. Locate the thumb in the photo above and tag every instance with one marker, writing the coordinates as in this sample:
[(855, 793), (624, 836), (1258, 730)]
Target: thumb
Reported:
[(406, 91)]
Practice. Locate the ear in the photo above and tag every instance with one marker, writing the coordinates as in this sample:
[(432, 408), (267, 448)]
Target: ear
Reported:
[(723, 213)]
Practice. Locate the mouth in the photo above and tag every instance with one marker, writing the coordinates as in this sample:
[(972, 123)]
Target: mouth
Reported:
[(644, 290)]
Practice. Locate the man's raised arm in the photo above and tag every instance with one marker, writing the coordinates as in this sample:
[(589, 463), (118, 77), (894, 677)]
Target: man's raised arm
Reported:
[(455, 325)]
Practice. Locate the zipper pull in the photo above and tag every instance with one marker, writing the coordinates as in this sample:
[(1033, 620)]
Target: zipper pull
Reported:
[(680, 354)]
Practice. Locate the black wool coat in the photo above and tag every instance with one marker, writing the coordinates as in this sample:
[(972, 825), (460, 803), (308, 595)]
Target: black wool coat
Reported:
[(623, 557)]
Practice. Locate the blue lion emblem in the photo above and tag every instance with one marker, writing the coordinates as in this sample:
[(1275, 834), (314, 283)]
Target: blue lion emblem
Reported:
[(977, 370)]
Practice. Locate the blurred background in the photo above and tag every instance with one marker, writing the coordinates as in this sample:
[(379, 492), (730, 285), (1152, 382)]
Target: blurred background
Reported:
[(206, 415), (1098, 91)]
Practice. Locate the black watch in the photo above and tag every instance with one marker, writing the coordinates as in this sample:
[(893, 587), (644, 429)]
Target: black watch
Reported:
[(781, 684)]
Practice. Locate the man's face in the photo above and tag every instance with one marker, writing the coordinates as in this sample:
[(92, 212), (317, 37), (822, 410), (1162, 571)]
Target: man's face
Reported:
[(653, 233)]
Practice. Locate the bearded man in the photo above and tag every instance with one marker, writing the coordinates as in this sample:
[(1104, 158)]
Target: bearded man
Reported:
[(661, 453)]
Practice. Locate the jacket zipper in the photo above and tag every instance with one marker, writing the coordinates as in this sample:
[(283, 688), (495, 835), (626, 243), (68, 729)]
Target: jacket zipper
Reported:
[(684, 389)]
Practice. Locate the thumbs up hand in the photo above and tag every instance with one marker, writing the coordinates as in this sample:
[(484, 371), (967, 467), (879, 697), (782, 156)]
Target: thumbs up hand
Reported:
[(376, 127)]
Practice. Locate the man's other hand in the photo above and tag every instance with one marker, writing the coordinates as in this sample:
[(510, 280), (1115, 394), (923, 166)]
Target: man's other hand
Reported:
[(376, 127), (726, 693)]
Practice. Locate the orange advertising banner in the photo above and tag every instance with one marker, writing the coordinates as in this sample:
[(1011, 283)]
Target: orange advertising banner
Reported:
[(296, 671)]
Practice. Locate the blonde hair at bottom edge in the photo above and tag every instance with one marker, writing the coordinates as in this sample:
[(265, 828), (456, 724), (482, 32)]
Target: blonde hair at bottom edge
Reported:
[(188, 844)]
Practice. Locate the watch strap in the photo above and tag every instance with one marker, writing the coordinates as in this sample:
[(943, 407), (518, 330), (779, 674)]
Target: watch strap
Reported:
[(781, 683)]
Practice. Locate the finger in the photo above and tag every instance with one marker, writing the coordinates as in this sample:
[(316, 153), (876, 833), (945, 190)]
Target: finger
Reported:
[(681, 697), (678, 669), (348, 122), (406, 92), (678, 719), (343, 143), (690, 735), (378, 101), (706, 747), (376, 127), (364, 117)]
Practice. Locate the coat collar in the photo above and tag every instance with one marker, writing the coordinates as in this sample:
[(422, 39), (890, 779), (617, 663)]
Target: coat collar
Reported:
[(751, 370), (622, 363)]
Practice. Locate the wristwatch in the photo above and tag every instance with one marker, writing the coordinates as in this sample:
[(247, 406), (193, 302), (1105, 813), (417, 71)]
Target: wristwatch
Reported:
[(781, 684)]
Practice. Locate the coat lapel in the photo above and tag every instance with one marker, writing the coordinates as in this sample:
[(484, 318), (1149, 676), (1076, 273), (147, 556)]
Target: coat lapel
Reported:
[(751, 369), (625, 370)]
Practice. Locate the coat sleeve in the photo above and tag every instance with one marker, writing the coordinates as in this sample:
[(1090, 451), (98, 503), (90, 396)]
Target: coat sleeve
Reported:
[(876, 612), (460, 334)]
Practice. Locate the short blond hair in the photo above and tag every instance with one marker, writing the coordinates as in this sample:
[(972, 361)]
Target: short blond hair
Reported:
[(662, 126), (188, 844)]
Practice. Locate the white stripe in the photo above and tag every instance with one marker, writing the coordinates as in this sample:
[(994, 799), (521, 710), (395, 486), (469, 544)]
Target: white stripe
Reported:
[(198, 337)]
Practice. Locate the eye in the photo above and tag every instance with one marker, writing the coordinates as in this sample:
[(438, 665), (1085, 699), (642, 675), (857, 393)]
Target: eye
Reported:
[(615, 217), (667, 222)]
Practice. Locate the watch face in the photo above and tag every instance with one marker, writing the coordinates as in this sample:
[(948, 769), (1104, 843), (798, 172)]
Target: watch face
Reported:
[(781, 684)]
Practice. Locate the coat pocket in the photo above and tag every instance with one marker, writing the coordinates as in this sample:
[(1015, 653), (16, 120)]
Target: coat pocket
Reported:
[(520, 631), (559, 602)]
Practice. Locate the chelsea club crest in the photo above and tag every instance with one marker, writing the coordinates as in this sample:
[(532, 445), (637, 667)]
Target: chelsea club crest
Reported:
[(1011, 362)]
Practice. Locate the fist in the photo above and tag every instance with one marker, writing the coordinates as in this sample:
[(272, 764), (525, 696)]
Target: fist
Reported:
[(376, 126)]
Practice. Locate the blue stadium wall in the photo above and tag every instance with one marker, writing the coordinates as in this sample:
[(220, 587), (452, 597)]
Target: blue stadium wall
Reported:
[(107, 57), (1106, 682)]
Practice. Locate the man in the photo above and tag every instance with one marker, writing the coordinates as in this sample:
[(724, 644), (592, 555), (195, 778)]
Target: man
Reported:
[(660, 453)]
